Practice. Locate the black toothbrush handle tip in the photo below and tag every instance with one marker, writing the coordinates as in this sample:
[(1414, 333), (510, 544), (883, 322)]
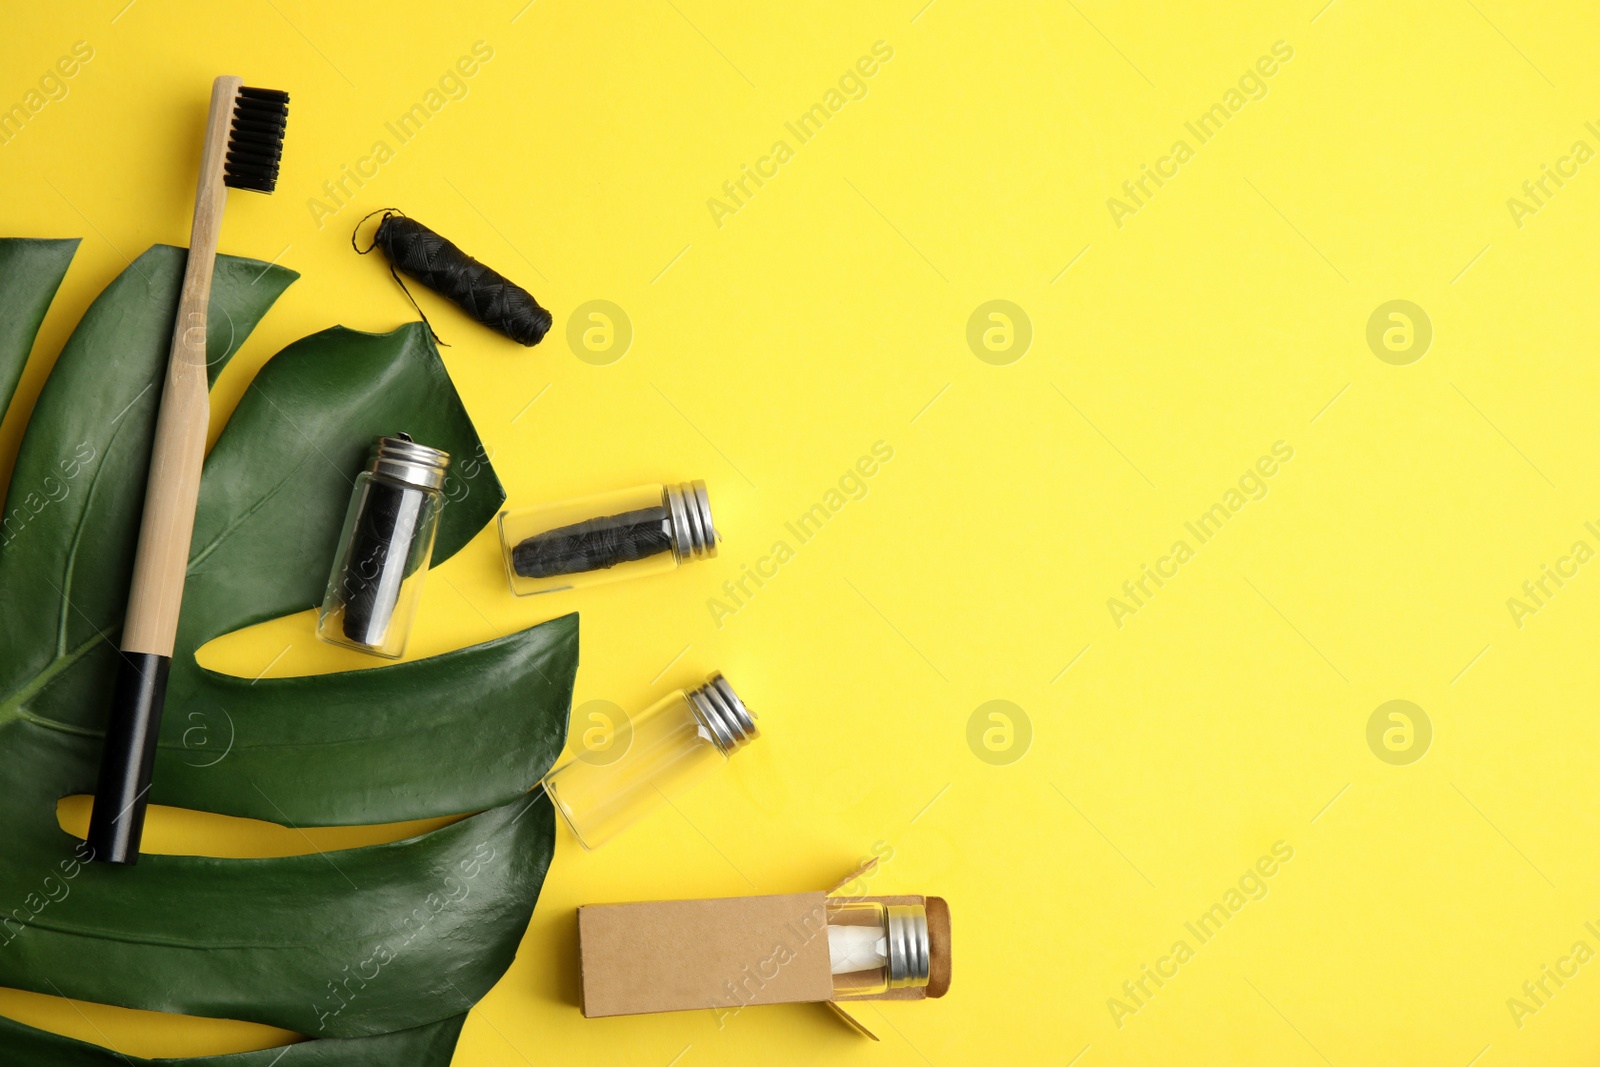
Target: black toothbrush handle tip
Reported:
[(122, 792)]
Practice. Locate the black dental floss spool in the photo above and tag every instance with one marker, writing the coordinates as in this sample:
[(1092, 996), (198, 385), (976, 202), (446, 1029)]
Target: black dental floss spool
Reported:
[(380, 543), (594, 544), (486, 295)]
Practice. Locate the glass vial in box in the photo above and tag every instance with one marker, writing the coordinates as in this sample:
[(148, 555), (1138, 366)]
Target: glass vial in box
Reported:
[(875, 947)]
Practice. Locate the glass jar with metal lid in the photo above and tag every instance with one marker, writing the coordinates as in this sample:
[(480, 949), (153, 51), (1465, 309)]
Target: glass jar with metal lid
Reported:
[(385, 547), (674, 742), (629, 533)]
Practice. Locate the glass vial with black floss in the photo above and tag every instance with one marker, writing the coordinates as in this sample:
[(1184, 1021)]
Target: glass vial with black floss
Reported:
[(625, 534), (385, 547)]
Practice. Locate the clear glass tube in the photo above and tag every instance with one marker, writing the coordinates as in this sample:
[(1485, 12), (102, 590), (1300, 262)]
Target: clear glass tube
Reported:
[(628, 533), (384, 549), (874, 947), (665, 748)]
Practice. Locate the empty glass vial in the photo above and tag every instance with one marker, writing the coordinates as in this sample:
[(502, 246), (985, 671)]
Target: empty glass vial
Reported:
[(385, 547), (632, 532), (877, 947), (672, 743)]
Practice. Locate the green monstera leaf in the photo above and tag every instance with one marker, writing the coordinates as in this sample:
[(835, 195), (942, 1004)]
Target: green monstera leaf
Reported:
[(375, 953)]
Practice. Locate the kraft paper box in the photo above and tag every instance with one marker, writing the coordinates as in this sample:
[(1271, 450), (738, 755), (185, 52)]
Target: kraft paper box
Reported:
[(728, 953)]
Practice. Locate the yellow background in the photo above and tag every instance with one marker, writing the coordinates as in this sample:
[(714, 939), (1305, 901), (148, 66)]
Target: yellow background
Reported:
[(830, 312)]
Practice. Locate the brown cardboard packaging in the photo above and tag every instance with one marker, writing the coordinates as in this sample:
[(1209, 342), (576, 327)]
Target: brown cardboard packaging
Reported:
[(725, 954)]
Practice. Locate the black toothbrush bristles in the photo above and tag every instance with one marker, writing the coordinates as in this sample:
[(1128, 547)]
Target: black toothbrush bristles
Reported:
[(255, 143)]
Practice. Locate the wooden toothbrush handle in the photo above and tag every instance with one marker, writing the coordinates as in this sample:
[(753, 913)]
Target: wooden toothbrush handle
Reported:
[(172, 490), (178, 452)]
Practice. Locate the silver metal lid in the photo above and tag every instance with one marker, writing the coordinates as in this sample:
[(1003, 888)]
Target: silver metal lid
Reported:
[(908, 945), (722, 715), (401, 459), (693, 535)]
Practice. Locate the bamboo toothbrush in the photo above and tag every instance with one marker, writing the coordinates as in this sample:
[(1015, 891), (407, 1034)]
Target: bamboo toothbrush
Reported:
[(243, 146)]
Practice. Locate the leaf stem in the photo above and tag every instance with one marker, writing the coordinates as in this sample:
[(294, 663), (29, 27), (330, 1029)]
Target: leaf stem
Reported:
[(13, 708)]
